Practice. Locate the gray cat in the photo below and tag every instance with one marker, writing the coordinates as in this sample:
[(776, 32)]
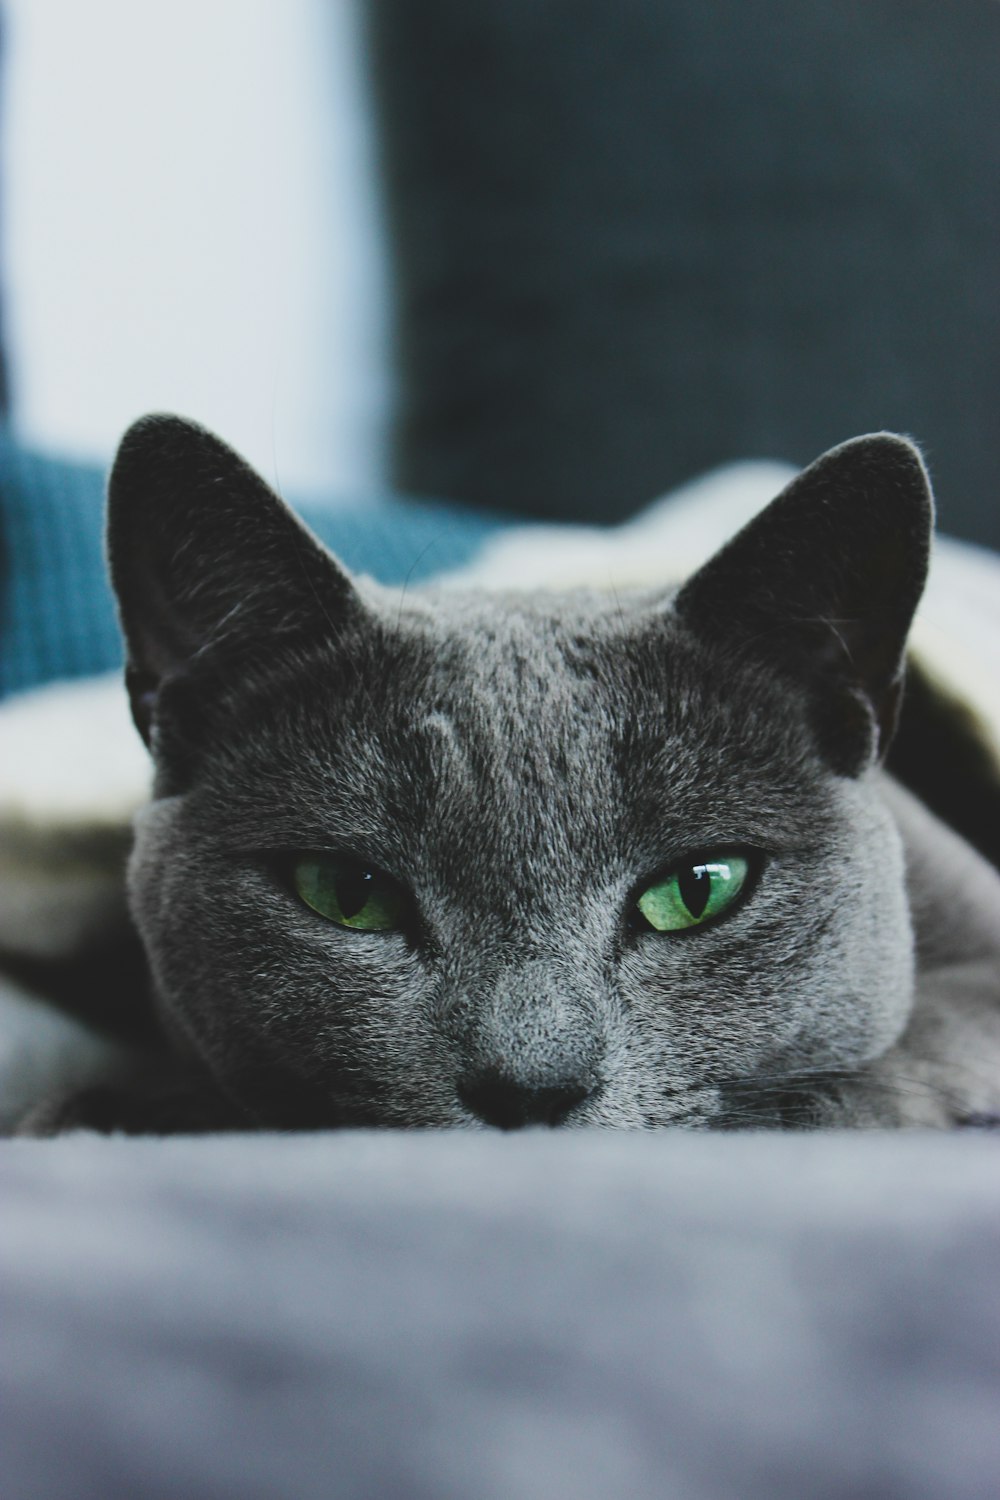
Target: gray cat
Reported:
[(564, 859)]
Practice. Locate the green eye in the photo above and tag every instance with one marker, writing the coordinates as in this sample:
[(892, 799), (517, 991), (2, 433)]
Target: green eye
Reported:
[(345, 892), (694, 893)]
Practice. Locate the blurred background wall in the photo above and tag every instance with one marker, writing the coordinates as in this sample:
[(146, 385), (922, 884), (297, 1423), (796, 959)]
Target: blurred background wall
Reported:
[(636, 240), (555, 256), (189, 223)]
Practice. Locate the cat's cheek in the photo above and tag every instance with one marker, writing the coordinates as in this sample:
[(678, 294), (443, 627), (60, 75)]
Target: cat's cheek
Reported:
[(696, 1012), (869, 951), (344, 1016), (303, 1024), (788, 985)]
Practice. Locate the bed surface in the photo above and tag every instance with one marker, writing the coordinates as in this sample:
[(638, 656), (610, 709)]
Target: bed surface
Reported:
[(441, 1315)]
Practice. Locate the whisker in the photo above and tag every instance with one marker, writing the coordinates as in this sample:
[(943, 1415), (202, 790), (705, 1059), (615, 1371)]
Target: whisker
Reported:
[(799, 1098)]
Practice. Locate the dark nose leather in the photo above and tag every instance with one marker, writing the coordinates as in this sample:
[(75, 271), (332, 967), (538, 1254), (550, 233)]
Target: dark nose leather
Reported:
[(509, 1105)]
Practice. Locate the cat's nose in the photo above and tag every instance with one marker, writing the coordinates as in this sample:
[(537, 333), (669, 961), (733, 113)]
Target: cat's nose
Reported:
[(509, 1105)]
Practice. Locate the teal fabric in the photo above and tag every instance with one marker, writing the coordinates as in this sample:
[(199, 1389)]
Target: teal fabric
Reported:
[(57, 614)]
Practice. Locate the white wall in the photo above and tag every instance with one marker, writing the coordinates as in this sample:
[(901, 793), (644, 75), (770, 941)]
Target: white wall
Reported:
[(190, 225)]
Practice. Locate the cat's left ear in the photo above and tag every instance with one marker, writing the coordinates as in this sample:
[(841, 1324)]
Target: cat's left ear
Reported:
[(823, 585), (208, 563)]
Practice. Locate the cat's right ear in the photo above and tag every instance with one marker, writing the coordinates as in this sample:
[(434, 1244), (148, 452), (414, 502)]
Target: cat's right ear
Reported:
[(206, 560), (822, 586)]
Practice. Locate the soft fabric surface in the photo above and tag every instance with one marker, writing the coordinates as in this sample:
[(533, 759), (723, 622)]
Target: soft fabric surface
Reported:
[(490, 1318)]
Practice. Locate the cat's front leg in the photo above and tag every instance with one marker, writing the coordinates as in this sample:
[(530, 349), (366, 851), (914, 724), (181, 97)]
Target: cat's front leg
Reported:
[(157, 1098), (945, 1069)]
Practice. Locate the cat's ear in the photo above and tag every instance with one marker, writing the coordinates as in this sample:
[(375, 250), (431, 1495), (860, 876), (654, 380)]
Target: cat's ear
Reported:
[(823, 585), (206, 558)]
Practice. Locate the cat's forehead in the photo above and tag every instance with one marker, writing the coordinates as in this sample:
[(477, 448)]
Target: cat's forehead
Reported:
[(543, 729), (546, 674), (511, 639), (509, 619), (577, 689)]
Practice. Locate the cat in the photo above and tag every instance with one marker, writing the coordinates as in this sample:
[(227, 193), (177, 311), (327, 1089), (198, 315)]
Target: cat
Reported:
[(540, 859)]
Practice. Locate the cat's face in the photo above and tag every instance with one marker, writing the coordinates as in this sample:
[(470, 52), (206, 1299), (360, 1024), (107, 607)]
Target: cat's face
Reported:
[(563, 859)]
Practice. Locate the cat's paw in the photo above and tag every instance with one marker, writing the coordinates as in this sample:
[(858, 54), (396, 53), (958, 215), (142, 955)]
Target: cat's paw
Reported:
[(159, 1102)]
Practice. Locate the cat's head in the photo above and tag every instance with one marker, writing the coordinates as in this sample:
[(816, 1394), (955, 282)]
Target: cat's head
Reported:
[(576, 858)]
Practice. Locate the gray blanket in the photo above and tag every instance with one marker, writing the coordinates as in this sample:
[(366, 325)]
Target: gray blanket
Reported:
[(490, 1317)]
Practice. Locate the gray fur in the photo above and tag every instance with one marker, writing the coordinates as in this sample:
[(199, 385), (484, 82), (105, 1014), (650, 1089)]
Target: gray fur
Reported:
[(522, 764)]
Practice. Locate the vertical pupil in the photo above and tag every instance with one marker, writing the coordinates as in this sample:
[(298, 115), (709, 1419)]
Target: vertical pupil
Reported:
[(695, 886), (352, 889)]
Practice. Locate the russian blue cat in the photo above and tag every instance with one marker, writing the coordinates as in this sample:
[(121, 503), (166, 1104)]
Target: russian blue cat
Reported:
[(541, 859)]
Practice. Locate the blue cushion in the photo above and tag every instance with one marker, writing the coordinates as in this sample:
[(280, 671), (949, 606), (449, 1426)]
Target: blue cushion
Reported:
[(57, 612)]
